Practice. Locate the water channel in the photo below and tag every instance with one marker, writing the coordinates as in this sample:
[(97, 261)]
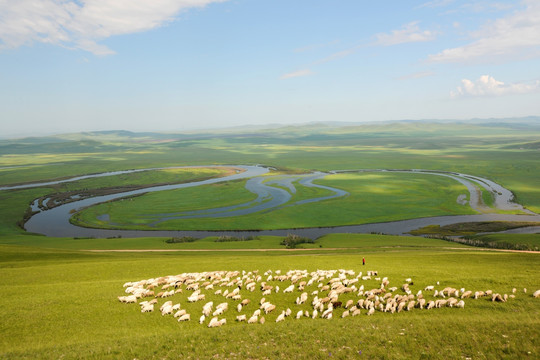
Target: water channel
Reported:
[(273, 192)]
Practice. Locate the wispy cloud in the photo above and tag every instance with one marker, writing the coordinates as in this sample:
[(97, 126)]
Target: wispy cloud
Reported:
[(82, 24), (417, 75), (487, 86), (516, 36), (338, 55), (409, 33), (329, 58), (299, 73)]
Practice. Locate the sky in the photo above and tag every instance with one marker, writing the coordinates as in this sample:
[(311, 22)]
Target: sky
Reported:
[(178, 65)]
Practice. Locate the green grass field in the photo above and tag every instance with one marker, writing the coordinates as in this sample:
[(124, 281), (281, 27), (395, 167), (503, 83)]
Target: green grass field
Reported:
[(62, 304), (372, 198), (59, 297)]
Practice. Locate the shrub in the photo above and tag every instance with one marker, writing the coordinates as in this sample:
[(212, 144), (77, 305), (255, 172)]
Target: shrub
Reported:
[(182, 239), (233, 238), (291, 241)]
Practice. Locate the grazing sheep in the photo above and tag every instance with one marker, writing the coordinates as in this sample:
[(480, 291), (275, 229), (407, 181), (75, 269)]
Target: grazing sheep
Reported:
[(201, 319), (281, 317), (165, 304), (289, 289), (262, 320), (299, 314), (241, 318), (147, 308), (253, 319), (371, 311), (536, 294), (216, 323), (460, 304), (478, 294), (185, 317), (219, 311), (180, 313), (167, 310)]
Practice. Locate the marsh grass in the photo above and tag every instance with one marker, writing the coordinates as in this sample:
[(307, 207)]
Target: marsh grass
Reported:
[(372, 198)]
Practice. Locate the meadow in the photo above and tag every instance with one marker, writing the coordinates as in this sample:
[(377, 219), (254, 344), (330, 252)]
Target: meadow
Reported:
[(419, 194), (62, 304), (60, 294)]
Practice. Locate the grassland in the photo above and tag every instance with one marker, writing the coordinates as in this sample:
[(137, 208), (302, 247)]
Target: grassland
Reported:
[(372, 198), (62, 304), (59, 298)]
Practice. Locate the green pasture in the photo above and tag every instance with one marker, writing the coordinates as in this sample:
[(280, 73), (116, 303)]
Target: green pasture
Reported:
[(532, 241), (332, 241), (373, 197), (62, 304), (498, 152), (59, 297)]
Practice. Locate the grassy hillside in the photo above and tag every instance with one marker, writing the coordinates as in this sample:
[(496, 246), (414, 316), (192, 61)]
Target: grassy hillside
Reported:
[(62, 304)]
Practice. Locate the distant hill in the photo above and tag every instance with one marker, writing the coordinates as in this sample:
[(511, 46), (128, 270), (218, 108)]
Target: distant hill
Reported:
[(309, 133)]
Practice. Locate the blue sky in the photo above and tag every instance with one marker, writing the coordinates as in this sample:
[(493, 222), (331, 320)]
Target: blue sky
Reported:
[(174, 65)]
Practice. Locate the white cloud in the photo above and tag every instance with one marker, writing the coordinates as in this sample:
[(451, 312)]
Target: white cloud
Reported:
[(487, 86), (299, 73), (511, 37), (409, 33), (82, 24)]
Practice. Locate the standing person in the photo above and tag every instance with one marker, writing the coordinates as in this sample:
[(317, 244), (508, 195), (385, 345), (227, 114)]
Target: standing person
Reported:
[(363, 261)]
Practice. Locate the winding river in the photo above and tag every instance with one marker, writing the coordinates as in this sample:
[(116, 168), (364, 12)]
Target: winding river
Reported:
[(273, 192)]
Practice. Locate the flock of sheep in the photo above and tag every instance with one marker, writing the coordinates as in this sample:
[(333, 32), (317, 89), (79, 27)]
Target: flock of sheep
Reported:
[(322, 293)]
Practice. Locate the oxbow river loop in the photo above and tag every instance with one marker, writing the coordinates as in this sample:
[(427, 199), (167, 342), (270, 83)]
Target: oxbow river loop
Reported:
[(55, 221)]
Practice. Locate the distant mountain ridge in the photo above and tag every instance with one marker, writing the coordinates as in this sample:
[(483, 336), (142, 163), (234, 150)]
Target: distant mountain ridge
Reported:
[(521, 123)]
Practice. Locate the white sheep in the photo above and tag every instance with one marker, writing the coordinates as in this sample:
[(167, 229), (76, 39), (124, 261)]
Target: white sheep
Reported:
[(281, 317), (371, 311), (147, 308), (185, 317)]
